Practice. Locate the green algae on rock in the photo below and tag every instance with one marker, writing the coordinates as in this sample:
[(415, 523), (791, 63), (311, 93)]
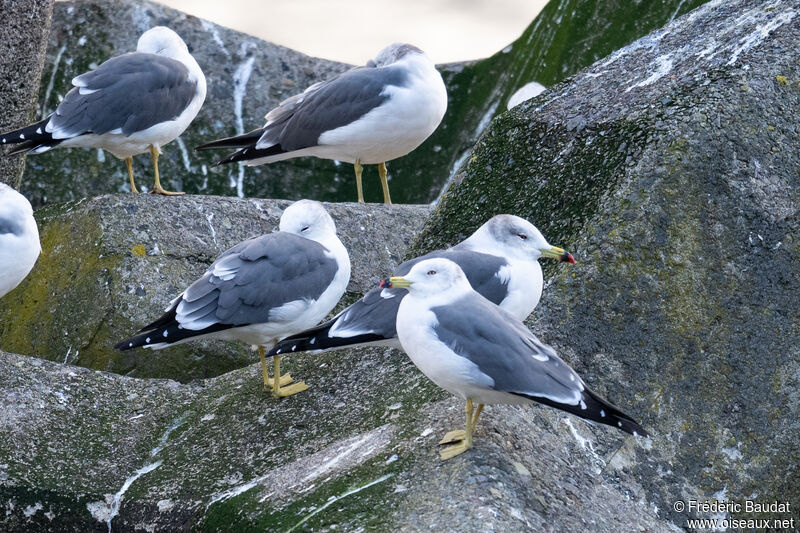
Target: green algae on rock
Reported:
[(671, 171), (247, 77), (85, 450), (111, 264)]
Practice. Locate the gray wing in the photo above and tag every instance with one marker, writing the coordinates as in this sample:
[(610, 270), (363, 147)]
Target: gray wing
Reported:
[(376, 312), (506, 351), (518, 363), (252, 279), (299, 121), (373, 318), (130, 93)]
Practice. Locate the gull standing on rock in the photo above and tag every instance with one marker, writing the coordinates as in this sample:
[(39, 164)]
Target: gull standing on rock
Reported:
[(19, 239), (364, 116), (131, 104), (500, 260), (261, 290), (476, 350)]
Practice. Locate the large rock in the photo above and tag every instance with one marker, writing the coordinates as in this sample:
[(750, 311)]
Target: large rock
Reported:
[(247, 77), (23, 40), (357, 450), (111, 264), (672, 168)]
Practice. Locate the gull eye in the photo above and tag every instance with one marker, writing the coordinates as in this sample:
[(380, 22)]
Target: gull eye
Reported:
[(431, 272), (522, 236), (304, 229)]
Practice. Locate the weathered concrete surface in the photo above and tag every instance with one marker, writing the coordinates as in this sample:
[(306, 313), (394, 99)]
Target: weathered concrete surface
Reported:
[(112, 264), (672, 170), (567, 36), (24, 25), (357, 450)]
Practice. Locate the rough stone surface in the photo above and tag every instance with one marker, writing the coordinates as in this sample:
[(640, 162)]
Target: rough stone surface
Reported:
[(23, 41), (671, 170), (357, 450), (111, 264), (567, 36)]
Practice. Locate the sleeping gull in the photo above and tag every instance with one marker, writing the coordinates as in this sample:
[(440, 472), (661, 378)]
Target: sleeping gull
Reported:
[(364, 116), (131, 104), (19, 239), (500, 261), (480, 352), (261, 290)]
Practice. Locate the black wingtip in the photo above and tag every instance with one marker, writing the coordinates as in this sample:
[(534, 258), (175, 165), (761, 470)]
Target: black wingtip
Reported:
[(596, 409)]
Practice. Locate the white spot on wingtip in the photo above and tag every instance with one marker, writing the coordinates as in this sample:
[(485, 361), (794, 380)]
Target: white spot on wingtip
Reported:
[(619, 423), (166, 333), (147, 339), (583, 404), (294, 347), (313, 340), (278, 351), (39, 130), (21, 135), (602, 413), (130, 345)]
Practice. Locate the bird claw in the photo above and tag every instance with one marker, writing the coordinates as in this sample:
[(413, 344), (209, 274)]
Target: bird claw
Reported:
[(161, 191), (285, 380), (455, 449), (293, 389), (454, 436)]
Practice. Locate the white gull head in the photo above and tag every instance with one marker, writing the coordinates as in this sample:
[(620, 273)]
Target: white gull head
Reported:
[(434, 277), (514, 238), (309, 219), (162, 41)]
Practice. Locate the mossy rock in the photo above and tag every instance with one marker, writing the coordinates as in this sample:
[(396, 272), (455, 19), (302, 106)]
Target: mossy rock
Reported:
[(83, 450), (567, 36), (111, 264), (671, 171)]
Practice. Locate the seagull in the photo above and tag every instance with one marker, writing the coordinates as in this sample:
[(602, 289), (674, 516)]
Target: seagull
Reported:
[(131, 104), (500, 261), (484, 354), (260, 291), (366, 115), (19, 239)]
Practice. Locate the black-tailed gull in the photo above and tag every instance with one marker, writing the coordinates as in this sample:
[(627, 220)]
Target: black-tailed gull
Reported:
[(500, 260), (131, 104), (19, 239), (474, 349), (364, 116), (261, 290)]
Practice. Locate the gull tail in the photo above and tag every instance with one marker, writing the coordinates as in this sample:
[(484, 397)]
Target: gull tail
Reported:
[(32, 138), (251, 153), (596, 409), (319, 339), (369, 321), (165, 332), (237, 141)]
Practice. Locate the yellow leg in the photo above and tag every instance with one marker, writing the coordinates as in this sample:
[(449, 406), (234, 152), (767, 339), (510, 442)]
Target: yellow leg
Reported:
[(285, 379), (463, 438), (382, 173), (358, 168), (279, 391), (129, 164), (157, 189)]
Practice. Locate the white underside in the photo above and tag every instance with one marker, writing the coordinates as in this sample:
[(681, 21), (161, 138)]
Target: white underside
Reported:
[(293, 317), (124, 146), (455, 374), (18, 253), (389, 131)]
